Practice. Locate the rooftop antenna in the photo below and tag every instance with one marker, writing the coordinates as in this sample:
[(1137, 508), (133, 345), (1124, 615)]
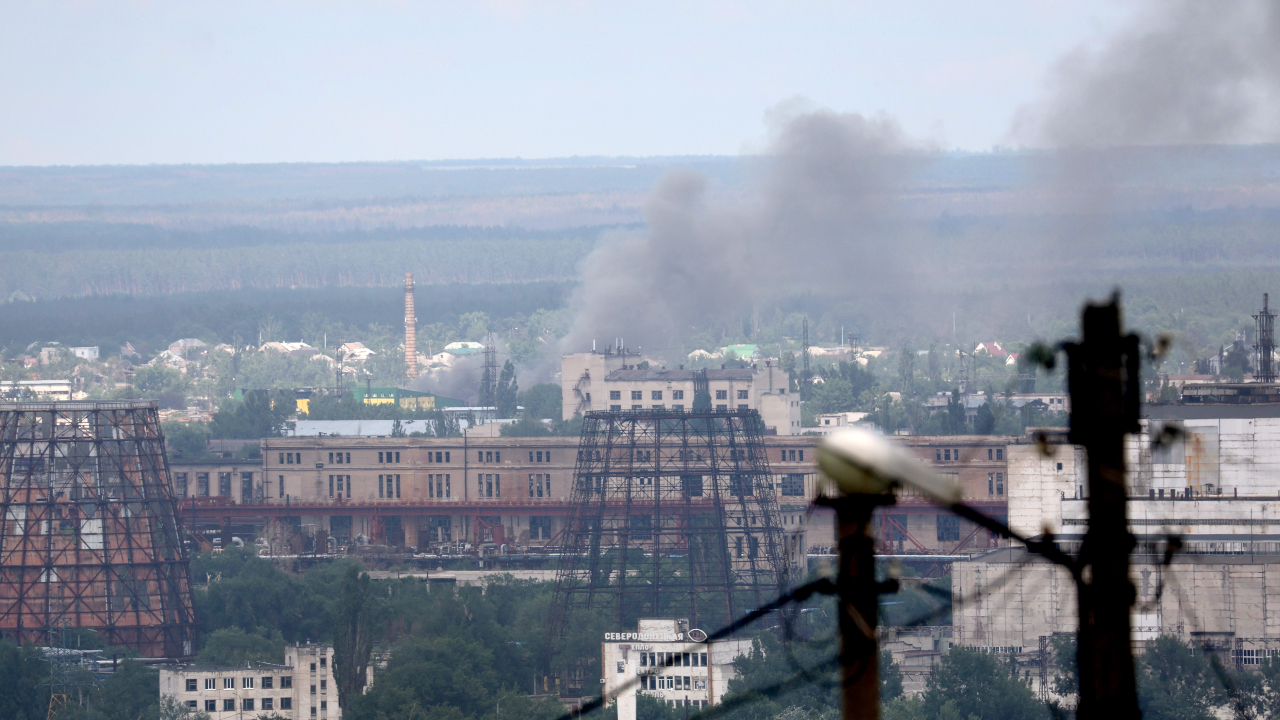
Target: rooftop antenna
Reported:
[(1265, 344)]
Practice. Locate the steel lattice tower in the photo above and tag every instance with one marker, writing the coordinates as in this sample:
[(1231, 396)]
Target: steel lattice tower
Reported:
[(675, 515), (88, 533), (1265, 343)]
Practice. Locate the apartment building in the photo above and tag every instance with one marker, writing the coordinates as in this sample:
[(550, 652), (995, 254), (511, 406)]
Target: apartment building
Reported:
[(302, 688), (619, 381)]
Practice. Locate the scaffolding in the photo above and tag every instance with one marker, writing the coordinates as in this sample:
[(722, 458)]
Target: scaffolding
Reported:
[(674, 514), (88, 533)]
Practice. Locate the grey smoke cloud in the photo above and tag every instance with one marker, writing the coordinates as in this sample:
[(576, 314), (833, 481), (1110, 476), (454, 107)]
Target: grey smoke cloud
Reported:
[(1185, 72), (822, 215)]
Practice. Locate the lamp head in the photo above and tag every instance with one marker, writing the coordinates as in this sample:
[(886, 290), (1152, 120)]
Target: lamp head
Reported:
[(862, 462)]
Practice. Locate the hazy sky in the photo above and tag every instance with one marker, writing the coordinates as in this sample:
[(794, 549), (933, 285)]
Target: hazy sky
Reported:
[(219, 82)]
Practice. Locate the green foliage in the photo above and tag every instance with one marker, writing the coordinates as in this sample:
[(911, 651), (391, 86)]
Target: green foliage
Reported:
[(526, 426), (969, 683), (261, 414), (186, 441), (507, 391), (927, 604), (252, 593), (890, 677), (353, 634), (234, 646), (23, 675), (543, 401), (1176, 682)]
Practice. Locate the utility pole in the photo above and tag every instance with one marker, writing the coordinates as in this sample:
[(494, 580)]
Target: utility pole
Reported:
[(859, 605), (805, 380), (1104, 382)]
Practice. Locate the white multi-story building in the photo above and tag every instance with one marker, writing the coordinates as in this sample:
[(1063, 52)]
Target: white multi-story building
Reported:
[(302, 688), (617, 381), (671, 662)]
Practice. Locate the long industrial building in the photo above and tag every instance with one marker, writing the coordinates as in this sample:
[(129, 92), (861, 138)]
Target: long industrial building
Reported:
[(446, 493)]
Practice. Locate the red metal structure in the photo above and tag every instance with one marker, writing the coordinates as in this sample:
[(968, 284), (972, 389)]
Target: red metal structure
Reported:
[(88, 533)]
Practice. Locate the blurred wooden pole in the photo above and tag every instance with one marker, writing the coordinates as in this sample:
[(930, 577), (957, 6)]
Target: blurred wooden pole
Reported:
[(859, 605), (1104, 386)]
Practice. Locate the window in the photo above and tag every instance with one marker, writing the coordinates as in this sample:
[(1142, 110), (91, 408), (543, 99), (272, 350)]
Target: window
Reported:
[(247, 704), (286, 703), (224, 484), (615, 407), (742, 394), (743, 407), (948, 528), (677, 407), (637, 407), (656, 395), (946, 455), (397, 486), (539, 528), (324, 686), (956, 454), (313, 667), (324, 704), (323, 663), (211, 706), (677, 394), (191, 684), (268, 704), (192, 704), (991, 483), (722, 408), (286, 682), (228, 683), (210, 683), (380, 457), (637, 394), (999, 483), (999, 453), (313, 711), (722, 394), (246, 682), (990, 454), (379, 486), (615, 394), (229, 705), (1059, 466), (267, 682), (793, 485), (313, 689), (548, 456), (180, 482)]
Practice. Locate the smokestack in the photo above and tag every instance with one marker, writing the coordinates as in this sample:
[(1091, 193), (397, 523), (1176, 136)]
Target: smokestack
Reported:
[(410, 328)]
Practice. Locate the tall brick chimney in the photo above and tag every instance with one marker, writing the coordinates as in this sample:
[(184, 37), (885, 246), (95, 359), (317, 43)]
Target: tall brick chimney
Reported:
[(410, 328)]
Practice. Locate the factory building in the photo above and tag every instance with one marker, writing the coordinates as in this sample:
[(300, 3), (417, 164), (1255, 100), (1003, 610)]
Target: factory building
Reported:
[(1212, 481), (603, 381), (303, 687), (442, 494)]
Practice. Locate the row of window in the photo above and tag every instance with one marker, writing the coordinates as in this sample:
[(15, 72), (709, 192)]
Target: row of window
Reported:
[(388, 485), (438, 486), (953, 454), (537, 483), (672, 682), (673, 659), (268, 681), (653, 394), (224, 485), (229, 705)]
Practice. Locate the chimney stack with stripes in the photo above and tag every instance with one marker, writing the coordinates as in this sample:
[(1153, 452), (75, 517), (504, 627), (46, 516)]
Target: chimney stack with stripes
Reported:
[(410, 328)]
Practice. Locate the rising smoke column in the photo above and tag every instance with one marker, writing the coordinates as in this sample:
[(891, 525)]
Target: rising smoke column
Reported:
[(821, 216), (1185, 72)]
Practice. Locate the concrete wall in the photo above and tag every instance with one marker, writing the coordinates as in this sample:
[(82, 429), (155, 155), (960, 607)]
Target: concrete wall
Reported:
[(1038, 484), (1006, 600)]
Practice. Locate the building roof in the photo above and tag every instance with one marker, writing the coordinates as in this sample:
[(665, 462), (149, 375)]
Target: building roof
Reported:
[(188, 343), (656, 375), (990, 347)]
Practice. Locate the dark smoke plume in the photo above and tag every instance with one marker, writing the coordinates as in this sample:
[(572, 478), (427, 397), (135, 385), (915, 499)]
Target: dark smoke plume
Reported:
[(822, 216), (1186, 72)]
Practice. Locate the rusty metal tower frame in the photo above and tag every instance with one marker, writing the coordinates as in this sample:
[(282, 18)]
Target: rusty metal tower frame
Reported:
[(88, 533), (675, 514), (1265, 343)]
